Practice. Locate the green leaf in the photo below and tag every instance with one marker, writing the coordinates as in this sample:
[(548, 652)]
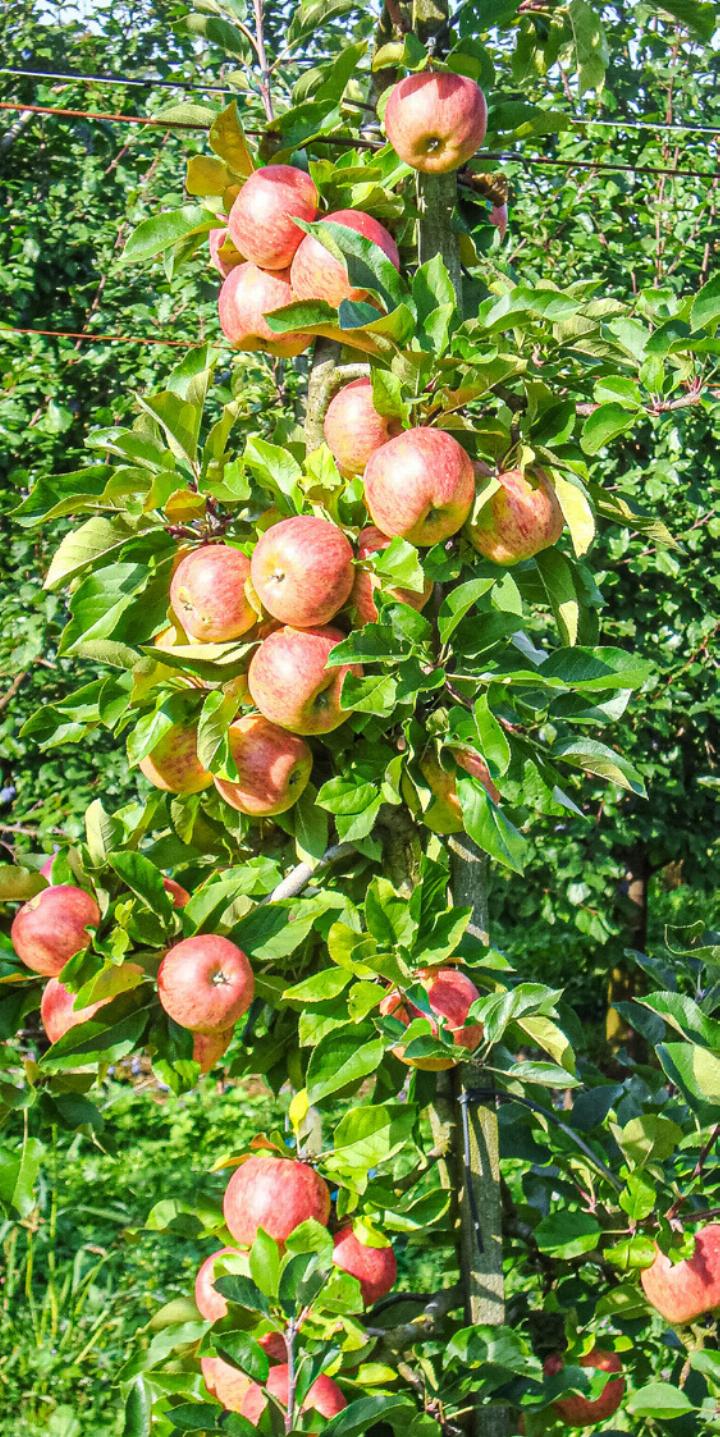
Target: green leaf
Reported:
[(179, 421), (138, 1410), (458, 603), (694, 1070), (245, 1353), (142, 878), (559, 584), (275, 469), (318, 988), (219, 32), (705, 310), (595, 757), (399, 565), (591, 46), (494, 744), (216, 715), (489, 827), (604, 425), (342, 1059), (242, 1290), (577, 513), (19, 1171), (697, 15), (568, 1234), (227, 138), (81, 547), (363, 1414), (368, 1136), (152, 236), (660, 1400)]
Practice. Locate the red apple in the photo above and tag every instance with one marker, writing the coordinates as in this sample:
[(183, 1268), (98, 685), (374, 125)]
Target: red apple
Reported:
[(362, 603), (223, 254), (682, 1291), (208, 593), (205, 983), (226, 1383), (435, 121), (291, 685), (52, 926), (46, 869), (580, 1411), (58, 1012), (302, 571), (420, 485), (374, 1267), (274, 1344), (275, 1194), (179, 895), (522, 517), (173, 764), (209, 1302), (450, 995), (444, 814), (247, 296), (208, 1048), (353, 428), (324, 1396), (273, 766), (317, 274), (261, 219)]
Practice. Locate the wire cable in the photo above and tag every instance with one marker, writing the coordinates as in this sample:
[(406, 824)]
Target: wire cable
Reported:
[(628, 123), (507, 157), (103, 338)]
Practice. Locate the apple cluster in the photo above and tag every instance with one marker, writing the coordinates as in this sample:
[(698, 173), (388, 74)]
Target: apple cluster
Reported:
[(276, 1195)]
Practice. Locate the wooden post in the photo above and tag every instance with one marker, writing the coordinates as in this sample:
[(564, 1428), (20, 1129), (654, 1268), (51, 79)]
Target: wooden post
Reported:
[(472, 1127)]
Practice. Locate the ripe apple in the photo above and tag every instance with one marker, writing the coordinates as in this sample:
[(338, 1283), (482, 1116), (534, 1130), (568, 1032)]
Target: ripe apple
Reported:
[(317, 274), (52, 926), (362, 602), (225, 1382), (302, 570), (324, 1396), (521, 518), (291, 685), (580, 1411), (261, 219), (276, 1194), (273, 767), (420, 485), (683, 1291), (444, 814), (436, 121), (179, 895), (205, 983), (223, 254), (58, 1012), (209, 1302), (353, 428), (173, 764), (46, 869), (207, 593), (374, 1267), (450, 995), (247, 296), (208, 1048)]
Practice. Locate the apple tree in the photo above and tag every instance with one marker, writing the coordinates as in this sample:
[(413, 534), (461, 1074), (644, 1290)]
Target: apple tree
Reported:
[(352, 640)]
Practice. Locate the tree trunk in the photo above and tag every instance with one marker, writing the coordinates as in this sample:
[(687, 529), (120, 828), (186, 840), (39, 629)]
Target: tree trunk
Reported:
[(471, 1129)]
